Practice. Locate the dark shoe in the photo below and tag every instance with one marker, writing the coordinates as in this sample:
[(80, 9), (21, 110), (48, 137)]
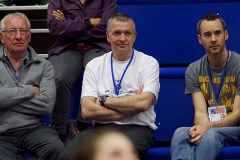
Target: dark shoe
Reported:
[(72, 131)]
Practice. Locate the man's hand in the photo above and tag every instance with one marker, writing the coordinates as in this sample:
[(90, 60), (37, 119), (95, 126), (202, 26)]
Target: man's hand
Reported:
[(139, 91), (59, 15), (196, 133), (36, 90), (97, 101), (95, 21)]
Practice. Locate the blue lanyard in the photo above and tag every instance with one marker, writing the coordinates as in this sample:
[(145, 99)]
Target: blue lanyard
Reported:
[(216, 95), (117, 87)]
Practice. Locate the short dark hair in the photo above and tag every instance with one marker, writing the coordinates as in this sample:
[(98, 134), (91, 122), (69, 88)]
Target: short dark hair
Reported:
[(120, 17), (210, 17)]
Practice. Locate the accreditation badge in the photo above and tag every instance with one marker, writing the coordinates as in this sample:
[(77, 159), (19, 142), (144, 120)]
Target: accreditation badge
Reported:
[(217, 113)]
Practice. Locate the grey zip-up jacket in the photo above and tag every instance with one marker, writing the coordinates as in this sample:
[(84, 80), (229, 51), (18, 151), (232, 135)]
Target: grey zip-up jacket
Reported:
[(19, 107)]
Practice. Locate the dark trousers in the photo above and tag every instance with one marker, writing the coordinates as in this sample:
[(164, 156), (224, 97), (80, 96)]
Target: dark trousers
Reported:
[(142, 138), (42, 141), (68, 66)]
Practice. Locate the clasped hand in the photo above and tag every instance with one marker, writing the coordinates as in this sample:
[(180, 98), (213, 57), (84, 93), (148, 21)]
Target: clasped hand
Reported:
[(196, 133)]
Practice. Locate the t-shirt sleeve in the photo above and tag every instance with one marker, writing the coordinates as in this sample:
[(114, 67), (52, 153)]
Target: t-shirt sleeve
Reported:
[(89, 84), (191, 79), (238, 82), (150, 76)]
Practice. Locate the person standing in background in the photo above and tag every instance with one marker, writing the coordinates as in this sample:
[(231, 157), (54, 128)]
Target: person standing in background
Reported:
[(79, 27)]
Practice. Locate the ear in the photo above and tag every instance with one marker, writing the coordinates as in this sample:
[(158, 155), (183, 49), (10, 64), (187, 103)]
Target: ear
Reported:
[(30, 36), (226, 35), (1, 37), (135, 35), (199, 39), (107, 35)]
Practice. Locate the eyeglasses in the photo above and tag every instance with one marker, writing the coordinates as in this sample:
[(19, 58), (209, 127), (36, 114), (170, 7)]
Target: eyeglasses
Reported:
[(12, 32)]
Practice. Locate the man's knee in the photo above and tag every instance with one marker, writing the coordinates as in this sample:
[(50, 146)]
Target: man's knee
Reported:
[(181, 132), (63, 81), (51, 150)]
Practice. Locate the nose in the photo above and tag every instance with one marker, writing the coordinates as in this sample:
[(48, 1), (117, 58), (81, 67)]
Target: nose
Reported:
[(122, 37), (213, 38), (18, 34)]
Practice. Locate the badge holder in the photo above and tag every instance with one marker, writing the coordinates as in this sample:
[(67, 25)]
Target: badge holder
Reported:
[(217, 113)]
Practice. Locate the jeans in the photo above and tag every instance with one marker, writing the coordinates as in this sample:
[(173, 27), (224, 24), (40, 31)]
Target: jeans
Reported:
[(142, 138), (210, 144), (68, 66), (42, 141)]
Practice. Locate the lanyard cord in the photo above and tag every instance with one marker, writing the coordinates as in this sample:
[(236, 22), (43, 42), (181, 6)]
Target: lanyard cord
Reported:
[(117, 87), (216, 95)]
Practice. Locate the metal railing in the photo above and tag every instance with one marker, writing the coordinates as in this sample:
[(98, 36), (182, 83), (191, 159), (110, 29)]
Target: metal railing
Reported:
[(31, 7), (39, 31)]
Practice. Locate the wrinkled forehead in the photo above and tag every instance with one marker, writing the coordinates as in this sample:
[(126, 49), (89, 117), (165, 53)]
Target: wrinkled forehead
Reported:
[(119, 25), (15, 21)]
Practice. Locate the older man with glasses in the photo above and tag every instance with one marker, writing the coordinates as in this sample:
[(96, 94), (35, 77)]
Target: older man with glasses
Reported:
[(28, 92)]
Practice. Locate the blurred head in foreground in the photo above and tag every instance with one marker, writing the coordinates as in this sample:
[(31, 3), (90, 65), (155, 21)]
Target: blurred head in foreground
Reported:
[(109, 145)]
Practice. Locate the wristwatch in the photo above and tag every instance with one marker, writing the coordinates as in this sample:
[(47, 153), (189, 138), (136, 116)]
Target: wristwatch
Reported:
[(102, 100)]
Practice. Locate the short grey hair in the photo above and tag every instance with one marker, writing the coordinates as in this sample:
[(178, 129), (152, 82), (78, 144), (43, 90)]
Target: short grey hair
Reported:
[(10, 15), (120, 17)]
